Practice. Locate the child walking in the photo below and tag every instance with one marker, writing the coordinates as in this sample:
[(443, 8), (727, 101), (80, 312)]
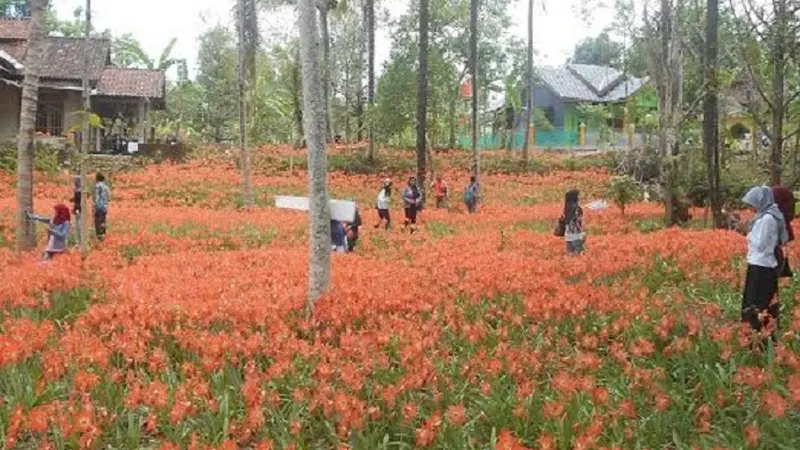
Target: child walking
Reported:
[(102, 195), (573, 223), (382, 205), (412, 200)]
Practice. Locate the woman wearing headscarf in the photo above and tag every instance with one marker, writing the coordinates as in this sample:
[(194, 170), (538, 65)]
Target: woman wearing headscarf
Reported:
[(573, 223), (767, 234), (784, 198), (58, 230)]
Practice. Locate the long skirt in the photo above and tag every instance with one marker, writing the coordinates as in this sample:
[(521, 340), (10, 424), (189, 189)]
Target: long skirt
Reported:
[(760, 295)]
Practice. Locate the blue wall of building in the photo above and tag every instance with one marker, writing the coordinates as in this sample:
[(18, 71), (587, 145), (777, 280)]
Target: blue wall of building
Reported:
[(552, 106)]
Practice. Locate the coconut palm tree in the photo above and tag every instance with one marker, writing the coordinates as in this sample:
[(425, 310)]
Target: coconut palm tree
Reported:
[(26, 233), (314, 115), (128, 52)]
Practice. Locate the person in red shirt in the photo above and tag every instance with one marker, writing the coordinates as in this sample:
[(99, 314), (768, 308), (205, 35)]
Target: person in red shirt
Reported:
[(440, 192)]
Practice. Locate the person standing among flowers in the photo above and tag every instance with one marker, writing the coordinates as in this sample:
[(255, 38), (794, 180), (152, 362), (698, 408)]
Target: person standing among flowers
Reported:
[(351, 230), (412, 201), (768, 232), (440, 191), (58, 230), (102, 195), (574, 234), (338, 237), (472, 195), (384, 199), (77, 192)]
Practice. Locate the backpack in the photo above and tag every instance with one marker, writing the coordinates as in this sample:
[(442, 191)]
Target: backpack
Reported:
[(469, 194)]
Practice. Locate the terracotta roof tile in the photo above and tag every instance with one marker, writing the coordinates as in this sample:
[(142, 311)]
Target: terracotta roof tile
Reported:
[(63, 57), (131, 83), (13, 29)]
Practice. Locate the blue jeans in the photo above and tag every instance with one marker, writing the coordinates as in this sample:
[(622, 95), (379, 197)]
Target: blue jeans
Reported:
[(576, 247)]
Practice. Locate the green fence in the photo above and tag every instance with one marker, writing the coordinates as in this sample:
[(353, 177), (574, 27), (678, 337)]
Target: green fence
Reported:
[(555, 138)]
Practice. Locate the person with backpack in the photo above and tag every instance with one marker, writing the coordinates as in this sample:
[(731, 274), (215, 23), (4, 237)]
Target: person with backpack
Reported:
[(472, 195), (77, 193), (57, 230), (784, 198), (382, 205), (440, 192), (412, 201), (768, 232), (572, 218), (102, 196)]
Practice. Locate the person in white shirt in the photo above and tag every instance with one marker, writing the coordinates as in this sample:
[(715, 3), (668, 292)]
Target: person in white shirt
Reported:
[(767, 234), (384, 199)]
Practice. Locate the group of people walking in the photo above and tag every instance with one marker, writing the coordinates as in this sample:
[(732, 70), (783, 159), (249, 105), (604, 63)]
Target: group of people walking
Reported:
[(60, 224)]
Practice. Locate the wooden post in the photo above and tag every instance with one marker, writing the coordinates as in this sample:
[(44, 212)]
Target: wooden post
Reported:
[(582, 135), (141, 124), (532, 135)]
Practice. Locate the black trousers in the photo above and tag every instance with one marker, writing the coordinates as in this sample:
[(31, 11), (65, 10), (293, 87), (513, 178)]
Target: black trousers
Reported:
[(100, 224), (760, 295)]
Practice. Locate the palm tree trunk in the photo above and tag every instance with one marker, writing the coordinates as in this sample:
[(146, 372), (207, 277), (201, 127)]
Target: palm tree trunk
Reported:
[(26, 231), (371, 75), (711, 111), (247, 187), (422, 96), (85, 137), (473, 57), (319, 270), (528, 88)]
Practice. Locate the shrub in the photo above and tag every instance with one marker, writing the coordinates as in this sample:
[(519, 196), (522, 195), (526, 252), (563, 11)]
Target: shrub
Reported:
[(46, 159), (624, 190)]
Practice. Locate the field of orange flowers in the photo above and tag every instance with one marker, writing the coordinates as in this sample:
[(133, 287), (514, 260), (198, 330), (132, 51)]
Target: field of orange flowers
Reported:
[(185, 329)]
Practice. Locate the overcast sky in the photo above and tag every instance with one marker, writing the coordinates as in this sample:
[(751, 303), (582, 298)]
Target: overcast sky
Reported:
[(558, 26)]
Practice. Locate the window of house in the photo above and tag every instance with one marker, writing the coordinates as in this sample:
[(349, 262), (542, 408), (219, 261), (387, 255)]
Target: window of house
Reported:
[(50, 116)]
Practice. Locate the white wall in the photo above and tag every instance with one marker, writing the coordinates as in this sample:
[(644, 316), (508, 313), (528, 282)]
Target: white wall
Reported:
[(10, 98), (72, 103)]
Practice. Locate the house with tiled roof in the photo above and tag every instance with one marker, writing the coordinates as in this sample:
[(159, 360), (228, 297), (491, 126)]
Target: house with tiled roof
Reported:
[(115, 92), (560, 92)]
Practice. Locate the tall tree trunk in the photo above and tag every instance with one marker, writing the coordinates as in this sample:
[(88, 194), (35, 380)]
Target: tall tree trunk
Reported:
[(473, 70), (297, 98), (26, 231), (451, 112), (778, 90), (247, 186), (371, 76), (319, 261), (422, 96), (526, 144), (711, 111), (326, 67), (670, 82), (86, 140)]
